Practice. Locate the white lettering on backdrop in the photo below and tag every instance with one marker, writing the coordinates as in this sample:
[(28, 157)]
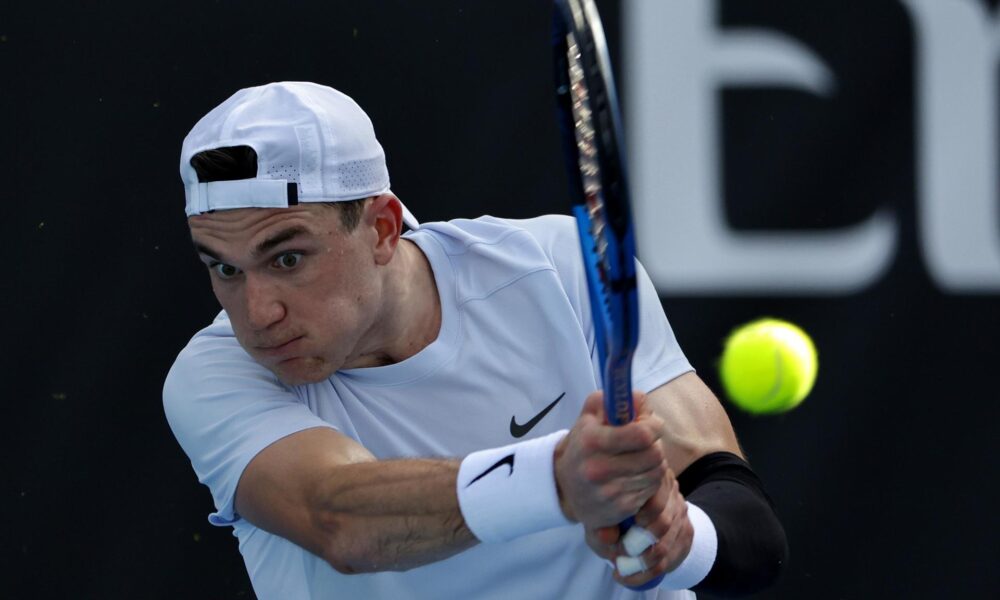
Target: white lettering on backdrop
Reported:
[(677, 60)]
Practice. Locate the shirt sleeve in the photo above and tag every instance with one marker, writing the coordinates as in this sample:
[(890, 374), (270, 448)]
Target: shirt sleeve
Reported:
[(224, 408), (658, 358)]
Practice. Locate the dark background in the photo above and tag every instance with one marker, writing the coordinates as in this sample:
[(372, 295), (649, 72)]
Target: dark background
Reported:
[(884, 477)]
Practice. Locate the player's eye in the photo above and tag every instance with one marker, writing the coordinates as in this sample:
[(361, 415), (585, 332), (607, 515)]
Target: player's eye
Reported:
[(224, 271), (288, 260)]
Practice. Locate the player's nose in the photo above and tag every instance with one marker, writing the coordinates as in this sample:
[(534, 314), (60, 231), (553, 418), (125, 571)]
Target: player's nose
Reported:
[(263, 302)]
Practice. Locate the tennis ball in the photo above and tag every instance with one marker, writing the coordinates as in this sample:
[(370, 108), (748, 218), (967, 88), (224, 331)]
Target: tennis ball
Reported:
[(768, 366)]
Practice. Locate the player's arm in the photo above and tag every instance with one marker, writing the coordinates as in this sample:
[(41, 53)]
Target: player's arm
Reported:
[(716, 527), (694, 422), (328, 494)]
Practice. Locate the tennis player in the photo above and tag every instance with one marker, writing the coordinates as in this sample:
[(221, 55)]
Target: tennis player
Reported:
[(381, 414)]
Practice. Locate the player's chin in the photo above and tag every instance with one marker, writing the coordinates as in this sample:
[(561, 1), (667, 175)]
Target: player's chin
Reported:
[(302, 370)]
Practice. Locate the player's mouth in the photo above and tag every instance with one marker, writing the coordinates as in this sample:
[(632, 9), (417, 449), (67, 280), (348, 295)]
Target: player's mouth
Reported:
[(280, 349)]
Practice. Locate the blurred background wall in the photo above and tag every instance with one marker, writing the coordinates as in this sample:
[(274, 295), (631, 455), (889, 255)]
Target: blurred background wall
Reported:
[(833, 163)]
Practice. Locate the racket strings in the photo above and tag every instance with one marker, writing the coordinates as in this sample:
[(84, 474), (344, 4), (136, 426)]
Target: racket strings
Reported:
[(585, 132)]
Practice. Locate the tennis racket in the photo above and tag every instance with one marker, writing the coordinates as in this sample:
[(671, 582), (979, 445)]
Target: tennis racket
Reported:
[(591, 129)]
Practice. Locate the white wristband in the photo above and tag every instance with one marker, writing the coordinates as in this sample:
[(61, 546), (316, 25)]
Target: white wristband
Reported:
[(511, 491), (700, 559)]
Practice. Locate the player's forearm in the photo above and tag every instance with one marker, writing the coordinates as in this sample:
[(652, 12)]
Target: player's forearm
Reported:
[(389, 515), (399, 514)]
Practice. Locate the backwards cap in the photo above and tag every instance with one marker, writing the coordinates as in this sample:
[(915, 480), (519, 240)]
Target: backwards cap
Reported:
[(313, 144)]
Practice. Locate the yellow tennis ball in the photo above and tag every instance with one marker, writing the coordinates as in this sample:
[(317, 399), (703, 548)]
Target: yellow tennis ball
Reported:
[(768, 366)]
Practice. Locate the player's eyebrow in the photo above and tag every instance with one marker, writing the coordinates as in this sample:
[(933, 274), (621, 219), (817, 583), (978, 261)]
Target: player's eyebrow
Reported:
[(277, 239), (203, 249), (262, 248)]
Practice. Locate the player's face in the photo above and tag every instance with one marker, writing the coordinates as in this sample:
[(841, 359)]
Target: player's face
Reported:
[(302, 294)]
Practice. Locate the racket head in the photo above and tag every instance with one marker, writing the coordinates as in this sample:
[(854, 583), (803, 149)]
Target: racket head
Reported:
[(590, 124), (595, 163)]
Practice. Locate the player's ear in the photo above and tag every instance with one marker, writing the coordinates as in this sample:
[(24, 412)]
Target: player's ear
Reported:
[(385, 214)]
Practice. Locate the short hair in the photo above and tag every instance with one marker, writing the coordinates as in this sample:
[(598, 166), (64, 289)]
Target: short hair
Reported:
[(240, 162)]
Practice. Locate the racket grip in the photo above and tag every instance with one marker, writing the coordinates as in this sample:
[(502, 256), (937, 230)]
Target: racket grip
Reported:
[(623, 528)]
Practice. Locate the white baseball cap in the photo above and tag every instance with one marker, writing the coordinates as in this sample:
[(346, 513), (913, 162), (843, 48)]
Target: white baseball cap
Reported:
[(313, 144)]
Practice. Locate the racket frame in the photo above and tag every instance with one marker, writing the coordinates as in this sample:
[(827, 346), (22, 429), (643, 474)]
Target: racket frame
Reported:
[(604, 209)]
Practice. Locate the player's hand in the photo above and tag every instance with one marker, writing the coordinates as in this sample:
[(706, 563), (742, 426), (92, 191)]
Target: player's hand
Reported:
[(604, 541), (605, 473), (664, 516)]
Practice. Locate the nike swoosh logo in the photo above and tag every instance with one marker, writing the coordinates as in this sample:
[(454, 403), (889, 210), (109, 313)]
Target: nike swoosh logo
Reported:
[(517, 430), (507, 460)]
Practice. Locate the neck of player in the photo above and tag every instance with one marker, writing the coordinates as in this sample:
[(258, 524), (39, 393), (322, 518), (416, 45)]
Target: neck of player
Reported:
[(410, 316)]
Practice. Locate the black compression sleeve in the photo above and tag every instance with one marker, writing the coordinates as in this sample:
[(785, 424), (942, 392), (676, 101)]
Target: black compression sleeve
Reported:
[(752, 546)]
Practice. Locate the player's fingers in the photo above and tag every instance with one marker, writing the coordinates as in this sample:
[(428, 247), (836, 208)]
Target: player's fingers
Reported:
[(602, 543), (647, 465), (651, 569), (674, 535), (637, 540), (677, 532), (659, 558), (617, 504), (631, 437), (641, 486), (678, 518), (636, 571), (608, 536), (653, 507), (626, 566), (643, 408), (674, 547), (594, 404), (663, 508)]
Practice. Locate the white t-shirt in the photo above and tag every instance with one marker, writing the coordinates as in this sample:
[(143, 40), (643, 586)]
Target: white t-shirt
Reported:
[(515, 335)]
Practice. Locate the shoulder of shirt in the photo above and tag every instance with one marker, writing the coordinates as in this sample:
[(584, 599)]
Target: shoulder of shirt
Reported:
[(218, 335), (489, 252), (554, 236), (212, 350), (213, 367)]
